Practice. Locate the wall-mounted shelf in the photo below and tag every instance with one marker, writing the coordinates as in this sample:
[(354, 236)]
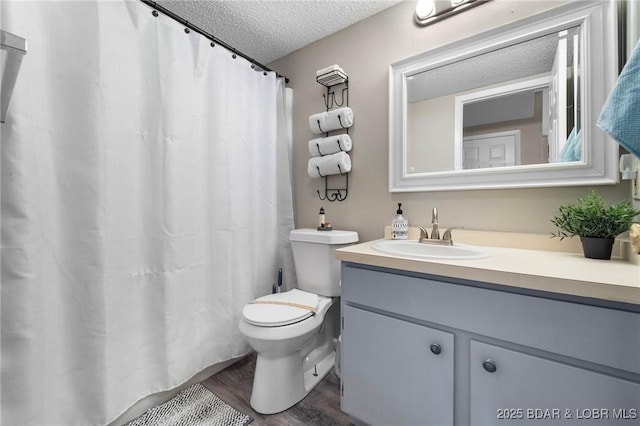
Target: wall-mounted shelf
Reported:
[(332, 78)]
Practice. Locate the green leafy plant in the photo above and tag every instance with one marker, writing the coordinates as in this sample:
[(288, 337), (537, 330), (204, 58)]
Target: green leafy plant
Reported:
[(590, 217)]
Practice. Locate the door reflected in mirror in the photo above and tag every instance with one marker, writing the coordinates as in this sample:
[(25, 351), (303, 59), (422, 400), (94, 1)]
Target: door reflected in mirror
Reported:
[(514, 106)]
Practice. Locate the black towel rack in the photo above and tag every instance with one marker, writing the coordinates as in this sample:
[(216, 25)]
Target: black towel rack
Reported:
[(334, 80)]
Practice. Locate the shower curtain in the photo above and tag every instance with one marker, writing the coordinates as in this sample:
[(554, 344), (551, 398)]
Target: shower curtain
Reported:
[(146, 197)]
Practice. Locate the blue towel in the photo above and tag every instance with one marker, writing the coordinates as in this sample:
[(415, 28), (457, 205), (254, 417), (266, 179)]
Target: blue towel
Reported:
[(620, 116), (572, 149)]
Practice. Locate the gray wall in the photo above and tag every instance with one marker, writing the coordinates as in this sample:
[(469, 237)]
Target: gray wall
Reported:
[(365, 51)]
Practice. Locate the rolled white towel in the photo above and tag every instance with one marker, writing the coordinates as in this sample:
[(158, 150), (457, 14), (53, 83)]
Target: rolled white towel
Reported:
[(323, 122), (325, 146), (315, 123), (340, 118), (333, 164), (328, 69)]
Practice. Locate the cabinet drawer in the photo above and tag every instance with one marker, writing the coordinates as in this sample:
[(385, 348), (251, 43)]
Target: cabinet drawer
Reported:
[(603, 336), (391, 373), (526, 389)]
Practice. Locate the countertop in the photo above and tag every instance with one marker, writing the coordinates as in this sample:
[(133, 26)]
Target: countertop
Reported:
[(566, 273)]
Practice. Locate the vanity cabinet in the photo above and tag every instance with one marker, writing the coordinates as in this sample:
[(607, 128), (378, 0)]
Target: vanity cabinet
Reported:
[(503, 358), (399, 372), (512, 387)]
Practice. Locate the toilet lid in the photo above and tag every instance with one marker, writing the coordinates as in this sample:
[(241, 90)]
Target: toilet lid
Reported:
[(281, 308)]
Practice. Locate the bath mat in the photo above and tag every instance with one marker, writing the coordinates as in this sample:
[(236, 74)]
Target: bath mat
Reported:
[(194, 406)]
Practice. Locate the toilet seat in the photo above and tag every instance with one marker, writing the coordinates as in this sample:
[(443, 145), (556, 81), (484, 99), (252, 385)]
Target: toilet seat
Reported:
[(275, 315)]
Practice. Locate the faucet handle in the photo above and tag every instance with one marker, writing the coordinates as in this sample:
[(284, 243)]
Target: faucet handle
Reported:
[(447, 233), (423, 232)]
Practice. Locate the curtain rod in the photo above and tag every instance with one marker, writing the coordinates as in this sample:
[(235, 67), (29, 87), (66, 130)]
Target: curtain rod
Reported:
[(211, 37)]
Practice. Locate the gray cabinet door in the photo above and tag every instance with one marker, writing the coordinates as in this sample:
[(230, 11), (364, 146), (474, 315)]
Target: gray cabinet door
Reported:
[(391, 375), (526, 389)]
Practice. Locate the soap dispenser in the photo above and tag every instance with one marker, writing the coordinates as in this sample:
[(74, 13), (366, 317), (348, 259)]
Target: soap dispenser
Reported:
[(399, 225)]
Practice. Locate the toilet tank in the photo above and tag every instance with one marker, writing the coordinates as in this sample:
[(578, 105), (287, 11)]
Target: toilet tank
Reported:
[(317, 268)]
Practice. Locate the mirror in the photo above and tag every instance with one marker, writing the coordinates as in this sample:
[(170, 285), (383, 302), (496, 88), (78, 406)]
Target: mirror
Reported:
[(514, 107)]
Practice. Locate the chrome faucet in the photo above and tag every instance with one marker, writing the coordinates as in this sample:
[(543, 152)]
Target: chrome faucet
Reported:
[(435, 232)]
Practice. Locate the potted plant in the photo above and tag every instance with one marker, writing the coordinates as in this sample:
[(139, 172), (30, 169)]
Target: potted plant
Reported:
[(595, 224)]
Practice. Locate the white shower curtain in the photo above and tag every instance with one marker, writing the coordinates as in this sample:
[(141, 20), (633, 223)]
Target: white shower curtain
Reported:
[(146, 197)]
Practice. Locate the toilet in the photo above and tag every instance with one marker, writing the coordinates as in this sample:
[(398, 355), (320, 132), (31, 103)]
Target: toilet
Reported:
[(293, 332)]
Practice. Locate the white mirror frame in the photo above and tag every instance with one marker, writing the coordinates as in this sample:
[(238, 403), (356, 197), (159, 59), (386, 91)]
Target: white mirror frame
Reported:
[(598, 32)]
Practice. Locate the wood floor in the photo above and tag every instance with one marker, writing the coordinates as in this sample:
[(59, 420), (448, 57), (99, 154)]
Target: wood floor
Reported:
[(320, 407)]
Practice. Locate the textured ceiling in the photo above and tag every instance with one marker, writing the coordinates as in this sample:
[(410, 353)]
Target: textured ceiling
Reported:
[(267, 30), (528, 58), (510, 63)]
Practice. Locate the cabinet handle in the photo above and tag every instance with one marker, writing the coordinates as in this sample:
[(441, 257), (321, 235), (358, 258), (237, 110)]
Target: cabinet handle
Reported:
[(490, 366), (435, 348)]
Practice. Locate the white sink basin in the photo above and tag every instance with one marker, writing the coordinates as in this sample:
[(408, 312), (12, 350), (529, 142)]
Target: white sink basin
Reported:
[(429, 251)]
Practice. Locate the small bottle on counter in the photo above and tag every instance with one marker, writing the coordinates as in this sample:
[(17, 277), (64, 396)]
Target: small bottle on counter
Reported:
[(399, 225)]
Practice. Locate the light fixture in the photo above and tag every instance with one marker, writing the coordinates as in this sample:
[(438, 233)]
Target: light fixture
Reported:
[(425, 8), (430, 11)]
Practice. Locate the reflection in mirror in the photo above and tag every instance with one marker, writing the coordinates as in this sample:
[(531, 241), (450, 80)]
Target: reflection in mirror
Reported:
[(518, 105), (513, 107)]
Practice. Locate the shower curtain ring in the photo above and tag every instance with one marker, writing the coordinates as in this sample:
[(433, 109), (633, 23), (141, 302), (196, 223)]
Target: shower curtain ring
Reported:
[(319, 174)]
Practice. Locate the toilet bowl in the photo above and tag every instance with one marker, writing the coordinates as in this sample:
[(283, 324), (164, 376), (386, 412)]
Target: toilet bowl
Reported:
[(292, 358), (293, 332)]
